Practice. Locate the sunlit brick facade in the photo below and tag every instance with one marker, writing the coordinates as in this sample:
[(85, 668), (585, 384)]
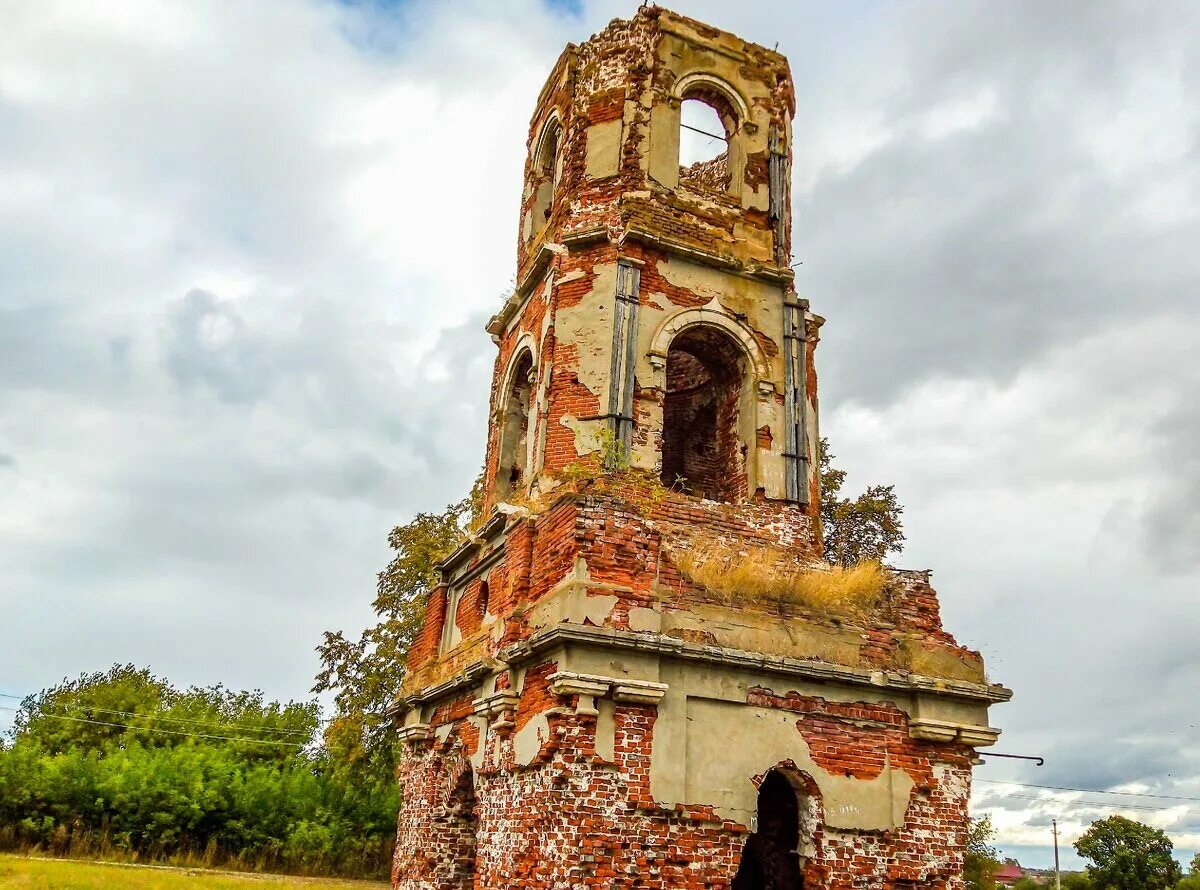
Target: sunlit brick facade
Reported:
[(587, 704)]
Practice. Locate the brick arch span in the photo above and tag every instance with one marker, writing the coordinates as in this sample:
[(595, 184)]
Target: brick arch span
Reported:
[(673, 325), (700, 84)]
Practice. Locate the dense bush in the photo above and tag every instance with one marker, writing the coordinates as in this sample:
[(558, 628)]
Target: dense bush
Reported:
[(122, 762)]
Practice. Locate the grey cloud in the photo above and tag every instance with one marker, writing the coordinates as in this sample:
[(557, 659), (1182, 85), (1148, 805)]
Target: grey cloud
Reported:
[(1171, 520), (969, 254), (7, 461), (208, 344), (254, 343)]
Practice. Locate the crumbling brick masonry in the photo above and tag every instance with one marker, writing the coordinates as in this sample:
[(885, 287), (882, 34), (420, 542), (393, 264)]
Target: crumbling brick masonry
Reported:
[(625, 678)]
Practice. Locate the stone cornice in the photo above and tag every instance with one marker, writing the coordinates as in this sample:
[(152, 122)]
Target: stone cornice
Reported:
[(564, 634), (535, 269), (761, 272)]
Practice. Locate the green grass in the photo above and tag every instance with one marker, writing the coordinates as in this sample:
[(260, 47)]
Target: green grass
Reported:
[(37, 873)]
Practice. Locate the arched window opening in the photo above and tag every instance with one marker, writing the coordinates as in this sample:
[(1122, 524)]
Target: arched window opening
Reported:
[(462, 825), (547, 167), (703, 453), (451, 635), (514, 436), (771, 857), (702, 134), (707, 121)]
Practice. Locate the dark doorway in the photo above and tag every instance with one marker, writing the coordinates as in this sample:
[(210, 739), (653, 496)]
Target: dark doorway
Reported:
[(770, 860), (702, 451)]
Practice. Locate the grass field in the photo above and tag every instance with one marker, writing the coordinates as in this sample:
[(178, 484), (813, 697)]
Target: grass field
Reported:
[(67, 874)]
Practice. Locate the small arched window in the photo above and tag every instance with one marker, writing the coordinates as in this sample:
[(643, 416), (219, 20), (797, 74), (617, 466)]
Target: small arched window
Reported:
[(707, 124), (513, 464), (703, 453), (547, 168)]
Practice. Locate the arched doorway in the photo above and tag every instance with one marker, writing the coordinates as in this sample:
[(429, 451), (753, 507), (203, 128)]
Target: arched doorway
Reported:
[(703, 453), (771, 858)]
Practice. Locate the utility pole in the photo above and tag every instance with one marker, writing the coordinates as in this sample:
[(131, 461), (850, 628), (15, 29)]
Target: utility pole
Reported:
[(1057, 879)]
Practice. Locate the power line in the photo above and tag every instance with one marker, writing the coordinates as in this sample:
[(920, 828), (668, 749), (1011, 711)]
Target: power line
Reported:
[(705, 133), (184, 720), (193, 735), (170, 719), (1091, 790), (1088, 805)]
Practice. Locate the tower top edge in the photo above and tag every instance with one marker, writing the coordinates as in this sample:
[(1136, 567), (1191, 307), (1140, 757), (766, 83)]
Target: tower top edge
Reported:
[(654, 17)]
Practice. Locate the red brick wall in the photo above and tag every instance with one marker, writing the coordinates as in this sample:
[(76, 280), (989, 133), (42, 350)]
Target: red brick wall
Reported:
[(571, 820)]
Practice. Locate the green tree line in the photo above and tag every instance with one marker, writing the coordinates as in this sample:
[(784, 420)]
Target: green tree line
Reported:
[(123, 763), (1122, 854)]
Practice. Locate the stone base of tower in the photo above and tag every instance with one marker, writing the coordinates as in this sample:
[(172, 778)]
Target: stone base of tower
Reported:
[(621, 726), (586, 781)]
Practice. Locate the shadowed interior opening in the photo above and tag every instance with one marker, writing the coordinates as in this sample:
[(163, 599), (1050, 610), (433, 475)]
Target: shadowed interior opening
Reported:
[(545, 173), (702, 452), (770, 859)]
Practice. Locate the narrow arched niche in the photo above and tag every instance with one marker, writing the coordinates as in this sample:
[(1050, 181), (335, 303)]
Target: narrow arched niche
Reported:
[(771, 859), (512, 466), (544, 176), (703, 453), (461, 829)]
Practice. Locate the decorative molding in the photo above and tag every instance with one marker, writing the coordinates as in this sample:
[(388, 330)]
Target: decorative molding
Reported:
[(525, 343), (586, 686), (639, 692), (414, 733), (672, 325), (589, 687), (608, 638), (930, 730), (541, 260), (562, 635), (496, 705), (776, 275), (717, 84)]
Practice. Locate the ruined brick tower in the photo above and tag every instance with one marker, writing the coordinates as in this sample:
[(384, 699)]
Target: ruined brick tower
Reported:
[(638, 672)]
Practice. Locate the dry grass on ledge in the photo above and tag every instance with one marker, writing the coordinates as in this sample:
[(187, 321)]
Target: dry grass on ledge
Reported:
[(771, 574)]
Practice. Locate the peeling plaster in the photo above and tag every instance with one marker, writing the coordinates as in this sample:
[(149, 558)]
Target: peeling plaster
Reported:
[(729, 743)]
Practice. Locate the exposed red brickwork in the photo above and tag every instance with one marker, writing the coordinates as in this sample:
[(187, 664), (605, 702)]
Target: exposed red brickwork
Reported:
[(522, 768), (569, 820)]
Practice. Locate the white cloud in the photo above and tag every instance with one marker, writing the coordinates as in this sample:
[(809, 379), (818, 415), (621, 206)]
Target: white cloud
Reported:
[(246, 252)]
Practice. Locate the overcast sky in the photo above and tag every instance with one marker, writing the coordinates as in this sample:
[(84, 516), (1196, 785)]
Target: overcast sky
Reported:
[(247, 250)]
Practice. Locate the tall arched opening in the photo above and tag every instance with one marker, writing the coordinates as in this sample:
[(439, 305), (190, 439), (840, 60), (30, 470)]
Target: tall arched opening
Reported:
[(703, 452), (771, 858), (512, 466), (547, 167)]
